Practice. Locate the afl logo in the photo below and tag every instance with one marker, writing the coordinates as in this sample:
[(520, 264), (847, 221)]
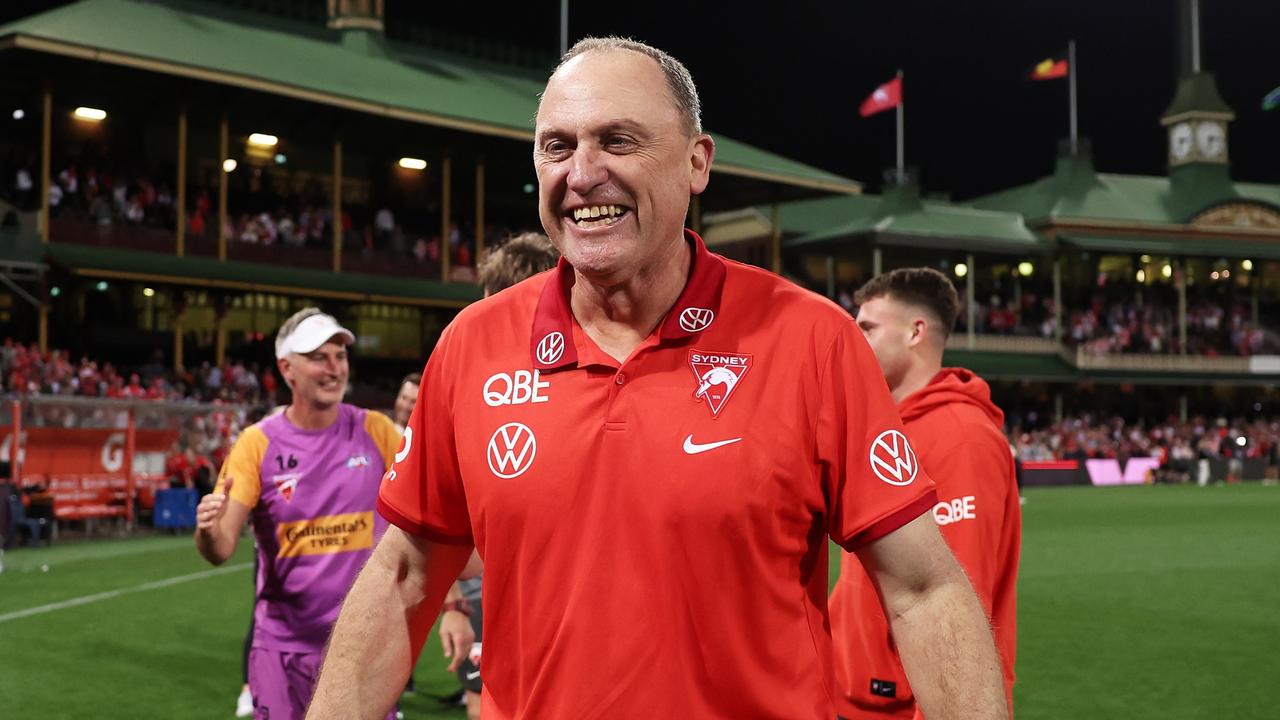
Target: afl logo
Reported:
[(551, 348), (511, 450), (892, 459), (696, 319)]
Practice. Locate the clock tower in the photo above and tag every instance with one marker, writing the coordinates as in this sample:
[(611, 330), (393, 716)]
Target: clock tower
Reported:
[(1197, 122), (1197, 118)]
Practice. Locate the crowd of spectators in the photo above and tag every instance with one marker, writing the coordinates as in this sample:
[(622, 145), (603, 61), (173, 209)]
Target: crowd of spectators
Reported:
[(25, 370), (1178, 445)]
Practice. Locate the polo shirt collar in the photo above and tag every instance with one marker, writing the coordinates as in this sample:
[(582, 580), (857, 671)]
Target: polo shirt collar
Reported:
[(551, 343)]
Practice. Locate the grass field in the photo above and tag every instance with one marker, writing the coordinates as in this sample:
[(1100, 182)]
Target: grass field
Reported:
[(1160, 602)]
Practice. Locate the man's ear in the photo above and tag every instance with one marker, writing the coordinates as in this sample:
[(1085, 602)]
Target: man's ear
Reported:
[(700, 157), (282, 365), (919, 331)]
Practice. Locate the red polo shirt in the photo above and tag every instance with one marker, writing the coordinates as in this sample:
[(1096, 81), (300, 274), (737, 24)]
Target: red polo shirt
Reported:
[(654, 531)]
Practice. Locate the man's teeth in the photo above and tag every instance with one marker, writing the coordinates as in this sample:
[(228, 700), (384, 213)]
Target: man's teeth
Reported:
[(595, 211)]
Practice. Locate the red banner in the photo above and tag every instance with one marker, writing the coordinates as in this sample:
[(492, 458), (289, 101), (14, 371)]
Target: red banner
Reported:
[(56, 451)]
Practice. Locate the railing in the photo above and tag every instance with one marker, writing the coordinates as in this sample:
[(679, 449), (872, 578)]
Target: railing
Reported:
[(148, 238), (1168, 363), (1078, 357), (1004, 343)]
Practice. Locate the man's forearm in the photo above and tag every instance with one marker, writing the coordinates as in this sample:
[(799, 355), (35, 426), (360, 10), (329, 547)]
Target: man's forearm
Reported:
[(383, 623), (944, 640), (217, 543)]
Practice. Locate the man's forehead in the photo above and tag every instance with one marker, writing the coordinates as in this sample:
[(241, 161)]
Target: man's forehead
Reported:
[(614, 83)]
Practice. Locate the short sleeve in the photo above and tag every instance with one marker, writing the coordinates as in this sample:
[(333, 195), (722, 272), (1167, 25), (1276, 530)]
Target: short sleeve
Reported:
[(385, 435), (977, 486), (873, 480), (423, 493), (244, 464)]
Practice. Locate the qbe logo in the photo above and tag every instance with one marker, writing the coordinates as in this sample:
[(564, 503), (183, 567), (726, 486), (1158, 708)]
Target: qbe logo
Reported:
[(511, 450), (892, 459), (696, 319), (953, 511), (551, 348)]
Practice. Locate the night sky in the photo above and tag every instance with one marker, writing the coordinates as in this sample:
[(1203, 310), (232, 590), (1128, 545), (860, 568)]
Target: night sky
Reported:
[(789, 76)]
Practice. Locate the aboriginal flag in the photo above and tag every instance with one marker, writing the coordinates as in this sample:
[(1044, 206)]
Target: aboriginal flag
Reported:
[(1049, 69)]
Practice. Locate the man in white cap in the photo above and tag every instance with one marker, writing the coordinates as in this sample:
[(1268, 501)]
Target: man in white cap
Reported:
[(307, 479)]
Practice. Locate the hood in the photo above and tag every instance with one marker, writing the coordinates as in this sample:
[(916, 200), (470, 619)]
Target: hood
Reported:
[(951, 385)]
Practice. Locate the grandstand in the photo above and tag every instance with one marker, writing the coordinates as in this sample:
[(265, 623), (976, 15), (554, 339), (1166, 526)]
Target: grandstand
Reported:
[(185, 174)]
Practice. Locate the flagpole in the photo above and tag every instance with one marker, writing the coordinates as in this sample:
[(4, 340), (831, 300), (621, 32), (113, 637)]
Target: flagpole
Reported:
[(1071, 82), (902, 101)]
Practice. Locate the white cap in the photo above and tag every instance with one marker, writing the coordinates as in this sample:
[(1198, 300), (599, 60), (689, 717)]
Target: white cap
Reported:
[(311, 333)]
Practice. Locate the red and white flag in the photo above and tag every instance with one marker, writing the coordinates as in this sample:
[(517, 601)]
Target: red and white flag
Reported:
[(885, 97)]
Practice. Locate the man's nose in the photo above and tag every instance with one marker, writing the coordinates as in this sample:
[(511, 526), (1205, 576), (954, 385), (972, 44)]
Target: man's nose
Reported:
[(587, 170)]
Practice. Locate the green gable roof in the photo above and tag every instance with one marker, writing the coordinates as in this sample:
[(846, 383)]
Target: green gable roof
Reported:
[(1077, 192), (354, 70), (901, 218)]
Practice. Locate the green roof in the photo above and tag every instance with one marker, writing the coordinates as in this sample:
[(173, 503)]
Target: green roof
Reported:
[(900, 218), (1077, 192), (1197, 95), (1199, 246), (355, 71), (256, 277)]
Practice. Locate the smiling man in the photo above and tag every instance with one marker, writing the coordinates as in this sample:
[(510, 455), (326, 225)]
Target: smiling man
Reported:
[(307, 479), (649, 447)]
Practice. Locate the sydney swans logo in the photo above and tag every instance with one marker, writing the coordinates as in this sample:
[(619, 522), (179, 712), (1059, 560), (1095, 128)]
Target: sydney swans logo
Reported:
[(511, 450)]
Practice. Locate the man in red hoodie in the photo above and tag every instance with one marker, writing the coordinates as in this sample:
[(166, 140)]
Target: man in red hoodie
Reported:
[(906, 316)]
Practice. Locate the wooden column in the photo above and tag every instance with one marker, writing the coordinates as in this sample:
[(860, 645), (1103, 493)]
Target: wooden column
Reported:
[(969, 301), (42, 331), (178, 360), (775, 241), (223, 150), (1182, 306), (220, 340), (337, 206), (479, 209), (180, 233), (46, 152), (446, 197), (1057, 299)]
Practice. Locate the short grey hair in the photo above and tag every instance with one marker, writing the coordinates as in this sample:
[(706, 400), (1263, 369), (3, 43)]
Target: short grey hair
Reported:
[(679, 81), (293, 322)]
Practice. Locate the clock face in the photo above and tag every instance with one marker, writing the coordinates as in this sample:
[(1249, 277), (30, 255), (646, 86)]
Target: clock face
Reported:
[(1180, 140), (1211, 141)]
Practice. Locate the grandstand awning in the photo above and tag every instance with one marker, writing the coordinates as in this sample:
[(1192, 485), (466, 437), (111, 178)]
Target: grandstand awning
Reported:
[(137, 266), (1197, 245), (900, 218), (354, 71), (1054, 368)]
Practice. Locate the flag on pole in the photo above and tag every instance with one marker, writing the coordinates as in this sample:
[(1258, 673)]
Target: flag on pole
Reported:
[(1049, 69), (885, 97), (1271, 100)]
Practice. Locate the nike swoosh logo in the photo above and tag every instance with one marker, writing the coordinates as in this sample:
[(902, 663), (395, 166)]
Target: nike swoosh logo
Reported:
[(473, 675), (692, 448)]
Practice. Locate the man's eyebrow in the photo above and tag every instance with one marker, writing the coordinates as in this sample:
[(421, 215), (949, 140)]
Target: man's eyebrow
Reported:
[(600, 129)]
